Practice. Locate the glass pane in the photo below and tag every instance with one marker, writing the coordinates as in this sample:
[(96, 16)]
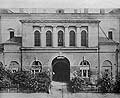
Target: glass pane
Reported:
[(37, 38), (83, 38), (72, 38), (110, 34), (11, 34), (60, 38), (48, 38), (84, 73)]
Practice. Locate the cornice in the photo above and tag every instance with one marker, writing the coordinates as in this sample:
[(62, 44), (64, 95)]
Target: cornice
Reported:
[(59, 21)]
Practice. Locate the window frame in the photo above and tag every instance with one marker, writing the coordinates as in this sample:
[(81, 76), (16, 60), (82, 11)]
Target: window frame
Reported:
[(84, 38), (110, 34), (37, 38), (60, 38), (49, 39), (72, 38)]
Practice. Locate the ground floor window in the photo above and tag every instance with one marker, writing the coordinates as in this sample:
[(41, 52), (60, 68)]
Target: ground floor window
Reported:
[(84, 69), (36, 67), (35, 71), (84, 73)]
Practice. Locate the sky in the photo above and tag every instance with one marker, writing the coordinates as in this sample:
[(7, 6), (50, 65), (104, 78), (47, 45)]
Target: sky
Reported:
[(59, 3)]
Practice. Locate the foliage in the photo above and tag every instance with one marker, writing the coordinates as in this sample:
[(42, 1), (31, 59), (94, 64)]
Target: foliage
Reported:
[(76, 84), (5, 76), (116, 88), (105, 84), (34, 82)]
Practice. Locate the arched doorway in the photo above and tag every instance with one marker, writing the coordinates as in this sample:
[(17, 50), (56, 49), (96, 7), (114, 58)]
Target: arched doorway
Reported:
[(61, 69)]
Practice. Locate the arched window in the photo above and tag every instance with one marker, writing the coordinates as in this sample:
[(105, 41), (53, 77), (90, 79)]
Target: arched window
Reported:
[(85, 69), (107, 68), (37, 38), (36, 67), (84, 38), (60, 38), (48, 38), (14, 66), (72, 38)]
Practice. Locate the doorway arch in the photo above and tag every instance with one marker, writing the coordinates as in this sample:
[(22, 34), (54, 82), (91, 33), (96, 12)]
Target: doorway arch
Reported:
[(61, 69)]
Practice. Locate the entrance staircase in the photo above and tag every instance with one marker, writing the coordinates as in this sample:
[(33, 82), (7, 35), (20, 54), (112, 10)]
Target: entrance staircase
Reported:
[(59, 90)]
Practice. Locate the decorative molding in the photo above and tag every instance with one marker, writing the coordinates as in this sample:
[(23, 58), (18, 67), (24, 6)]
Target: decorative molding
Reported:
[(60, 21)]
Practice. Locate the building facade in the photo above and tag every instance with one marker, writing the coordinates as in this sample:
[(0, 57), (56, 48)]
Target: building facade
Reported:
[(62, 43)]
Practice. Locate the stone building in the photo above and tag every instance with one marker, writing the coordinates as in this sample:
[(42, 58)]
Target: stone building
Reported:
[(62, 42)]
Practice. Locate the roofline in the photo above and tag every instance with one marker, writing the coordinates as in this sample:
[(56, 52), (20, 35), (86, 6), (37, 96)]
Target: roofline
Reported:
[(108, 43), (15, 43)]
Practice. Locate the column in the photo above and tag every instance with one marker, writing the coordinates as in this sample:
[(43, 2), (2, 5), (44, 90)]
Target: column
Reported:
[(82, 72), (87, 73), (78, 37), (66, 37), (55, 37), (43, 37)]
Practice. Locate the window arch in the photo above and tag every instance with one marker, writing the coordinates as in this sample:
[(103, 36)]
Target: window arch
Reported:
[(37, 63), (48, 38), (85, 63), (60, 38), (72, 38), (37, 41), (85, 69), (107, 63), (84, 38)]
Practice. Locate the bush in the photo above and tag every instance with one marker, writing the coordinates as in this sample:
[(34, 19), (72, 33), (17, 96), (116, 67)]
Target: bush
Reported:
[(116, 88), (33, 82), (76, 84), (105, 84), (5, 76)]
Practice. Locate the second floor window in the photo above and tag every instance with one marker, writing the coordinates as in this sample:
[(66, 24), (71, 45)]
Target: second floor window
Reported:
[(11, 34), (84, 38), (60, 38), (37, 38), (48, 38), (72, 38), (110, 36)]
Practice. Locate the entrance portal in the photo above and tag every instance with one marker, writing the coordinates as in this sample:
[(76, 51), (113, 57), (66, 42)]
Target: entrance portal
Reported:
[(61, 69)]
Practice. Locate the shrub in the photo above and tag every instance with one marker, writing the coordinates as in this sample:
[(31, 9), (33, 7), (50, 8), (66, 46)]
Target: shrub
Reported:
[(105, 84), (76, 84), (116, 88), (5, 76), (34, 82)]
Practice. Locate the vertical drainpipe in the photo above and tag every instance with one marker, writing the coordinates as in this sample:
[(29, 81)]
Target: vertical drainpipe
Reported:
[(98, 76), (117, 52), (21, 48), (117, 62), (2, 44), (119, 48)]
